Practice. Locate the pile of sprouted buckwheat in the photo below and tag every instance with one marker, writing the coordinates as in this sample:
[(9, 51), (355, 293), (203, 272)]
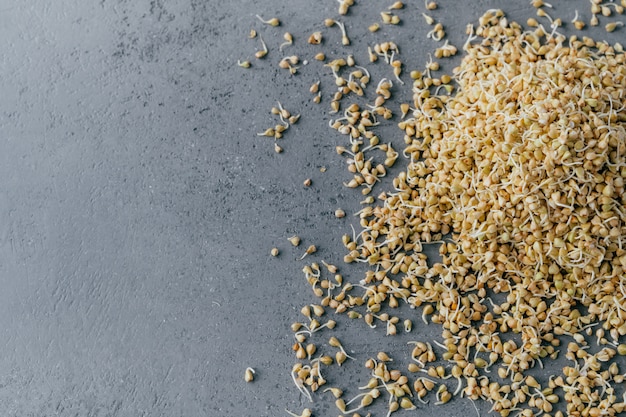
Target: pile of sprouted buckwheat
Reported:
[(515, 167)]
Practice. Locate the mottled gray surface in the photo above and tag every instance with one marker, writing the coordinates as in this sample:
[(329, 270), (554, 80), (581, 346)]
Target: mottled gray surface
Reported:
[(138, 207)]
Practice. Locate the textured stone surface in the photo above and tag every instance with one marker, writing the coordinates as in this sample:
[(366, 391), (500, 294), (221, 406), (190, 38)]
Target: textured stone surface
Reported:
[(138, 207)]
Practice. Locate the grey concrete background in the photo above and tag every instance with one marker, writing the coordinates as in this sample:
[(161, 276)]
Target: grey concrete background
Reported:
[(138, 207)]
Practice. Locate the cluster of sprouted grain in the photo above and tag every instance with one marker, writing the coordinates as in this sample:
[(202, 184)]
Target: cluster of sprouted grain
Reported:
[(525, 167), (286, 120), (519, 176)]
